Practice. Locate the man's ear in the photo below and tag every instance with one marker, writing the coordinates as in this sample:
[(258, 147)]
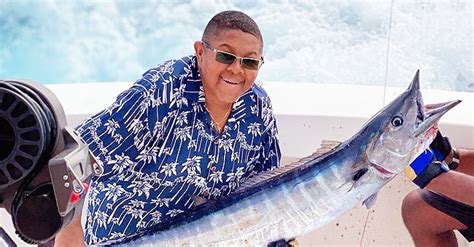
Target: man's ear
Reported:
[(199, 50)]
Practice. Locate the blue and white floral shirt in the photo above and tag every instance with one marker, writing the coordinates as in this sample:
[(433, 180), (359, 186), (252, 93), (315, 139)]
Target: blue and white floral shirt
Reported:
[(158, 147)]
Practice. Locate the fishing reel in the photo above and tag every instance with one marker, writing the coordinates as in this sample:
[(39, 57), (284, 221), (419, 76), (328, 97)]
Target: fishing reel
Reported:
[(44, 166)]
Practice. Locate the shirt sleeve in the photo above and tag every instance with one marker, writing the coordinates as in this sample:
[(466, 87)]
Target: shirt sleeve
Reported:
[(270, 153), (116, 134)]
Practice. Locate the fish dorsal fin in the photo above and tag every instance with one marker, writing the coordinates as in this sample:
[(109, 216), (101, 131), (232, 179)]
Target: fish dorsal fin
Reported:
[(325, 147)]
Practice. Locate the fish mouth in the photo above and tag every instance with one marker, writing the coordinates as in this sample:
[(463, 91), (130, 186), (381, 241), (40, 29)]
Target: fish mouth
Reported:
[(428, 114), (433, 113)]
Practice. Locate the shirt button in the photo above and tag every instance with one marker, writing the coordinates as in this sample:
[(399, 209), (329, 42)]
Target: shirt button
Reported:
[(213, 168)]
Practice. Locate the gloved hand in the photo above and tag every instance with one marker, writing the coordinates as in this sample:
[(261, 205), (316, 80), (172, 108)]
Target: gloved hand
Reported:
[(443, 150), (432, 162), (424, 168)]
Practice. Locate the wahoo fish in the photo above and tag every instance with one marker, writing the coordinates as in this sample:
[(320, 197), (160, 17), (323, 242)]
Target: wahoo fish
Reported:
[(301, 197)]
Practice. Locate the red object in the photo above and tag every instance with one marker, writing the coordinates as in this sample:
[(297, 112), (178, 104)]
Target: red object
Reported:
[(76, 196)]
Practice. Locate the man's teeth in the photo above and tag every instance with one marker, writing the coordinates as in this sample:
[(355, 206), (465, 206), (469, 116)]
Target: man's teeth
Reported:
[(231, 82)]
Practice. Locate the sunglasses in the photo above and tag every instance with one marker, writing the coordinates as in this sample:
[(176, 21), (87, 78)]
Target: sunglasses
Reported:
[(229, 58)]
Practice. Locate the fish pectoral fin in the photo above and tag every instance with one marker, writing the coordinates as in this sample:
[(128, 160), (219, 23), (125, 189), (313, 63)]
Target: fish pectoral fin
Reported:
[(370, 201), (198, 200)]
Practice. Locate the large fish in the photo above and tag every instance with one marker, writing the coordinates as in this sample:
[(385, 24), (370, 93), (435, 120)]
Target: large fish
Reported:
[(304, 196)]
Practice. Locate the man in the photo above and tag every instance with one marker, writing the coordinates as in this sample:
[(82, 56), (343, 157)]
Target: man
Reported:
[(445, 201), (196, 126)]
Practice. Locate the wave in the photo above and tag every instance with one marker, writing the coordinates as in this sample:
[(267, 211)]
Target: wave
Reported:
[(348, 42)]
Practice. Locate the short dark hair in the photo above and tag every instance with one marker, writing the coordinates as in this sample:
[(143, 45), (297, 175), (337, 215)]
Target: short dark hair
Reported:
[(228, 20)]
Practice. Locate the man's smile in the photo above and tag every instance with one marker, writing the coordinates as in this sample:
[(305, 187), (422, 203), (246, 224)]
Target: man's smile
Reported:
[(232, 82)]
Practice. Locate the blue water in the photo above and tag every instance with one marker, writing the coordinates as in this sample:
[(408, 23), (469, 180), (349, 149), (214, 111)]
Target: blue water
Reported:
[(348, 42)]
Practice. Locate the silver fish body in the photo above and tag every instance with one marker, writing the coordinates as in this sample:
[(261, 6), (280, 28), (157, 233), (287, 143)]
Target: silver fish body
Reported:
[(306, 195), (295, 207)]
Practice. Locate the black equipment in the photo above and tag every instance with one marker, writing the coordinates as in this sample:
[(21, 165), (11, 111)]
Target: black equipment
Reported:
[(44, 167)]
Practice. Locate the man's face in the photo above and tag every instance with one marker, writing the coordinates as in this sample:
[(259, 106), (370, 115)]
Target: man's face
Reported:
[(224, 83)]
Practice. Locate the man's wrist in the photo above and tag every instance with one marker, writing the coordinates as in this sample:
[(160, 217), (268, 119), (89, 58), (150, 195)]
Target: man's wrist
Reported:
[(424, 168), (452, 159), (434, 169)]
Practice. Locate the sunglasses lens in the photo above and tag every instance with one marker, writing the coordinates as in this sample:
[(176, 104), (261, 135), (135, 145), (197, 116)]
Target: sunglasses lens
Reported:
[(250, 63), (223, 57)]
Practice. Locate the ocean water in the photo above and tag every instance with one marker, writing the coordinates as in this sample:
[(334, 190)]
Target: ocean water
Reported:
[(344, 42)]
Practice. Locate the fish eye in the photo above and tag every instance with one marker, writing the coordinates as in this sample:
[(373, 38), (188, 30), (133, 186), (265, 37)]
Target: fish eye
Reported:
[(397, 121)]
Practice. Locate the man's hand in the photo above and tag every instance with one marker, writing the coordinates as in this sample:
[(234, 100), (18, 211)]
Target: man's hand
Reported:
[(424, 168), (439, 158)]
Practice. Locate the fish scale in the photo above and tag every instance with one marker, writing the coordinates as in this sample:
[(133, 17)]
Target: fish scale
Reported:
[(301, 217), (303, 196)]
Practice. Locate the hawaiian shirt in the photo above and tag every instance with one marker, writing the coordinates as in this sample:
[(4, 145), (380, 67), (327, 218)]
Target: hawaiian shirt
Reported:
[(158, 147)]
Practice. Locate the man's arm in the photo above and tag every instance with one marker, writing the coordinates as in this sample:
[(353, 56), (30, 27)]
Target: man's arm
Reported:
[(72, 235), (458, 184), (430, 170)]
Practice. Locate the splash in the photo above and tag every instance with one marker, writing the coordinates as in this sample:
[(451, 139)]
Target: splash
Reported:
[(343, 42)]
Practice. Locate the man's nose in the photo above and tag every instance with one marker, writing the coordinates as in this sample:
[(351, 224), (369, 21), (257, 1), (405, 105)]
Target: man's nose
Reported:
[(236, 66)]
